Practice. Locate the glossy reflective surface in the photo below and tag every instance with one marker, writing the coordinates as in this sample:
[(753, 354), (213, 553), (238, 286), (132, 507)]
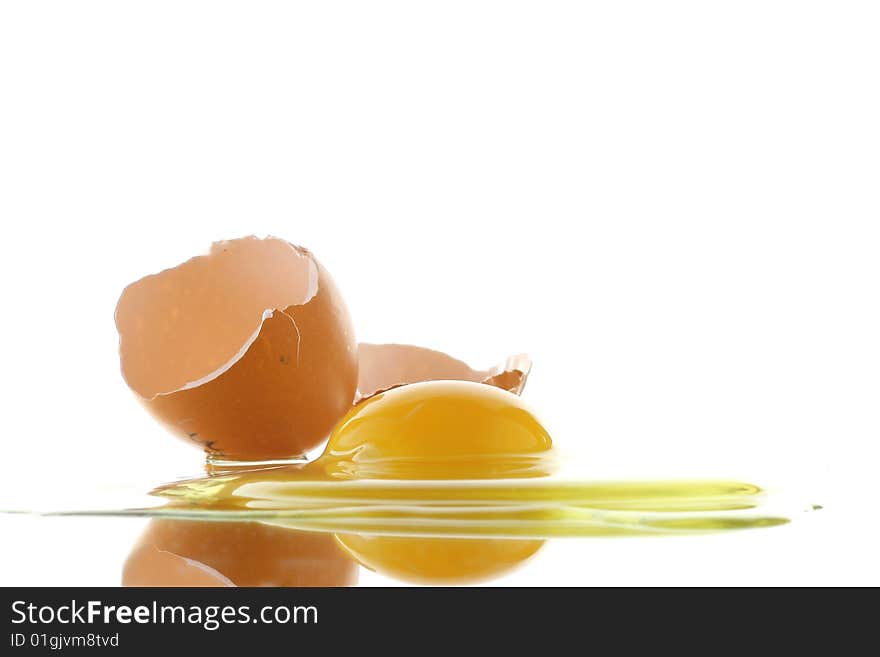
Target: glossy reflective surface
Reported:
[(437, 483)]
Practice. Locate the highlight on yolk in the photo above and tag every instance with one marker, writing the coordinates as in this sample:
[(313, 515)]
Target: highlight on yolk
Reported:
[(439, 430), (199, 553)]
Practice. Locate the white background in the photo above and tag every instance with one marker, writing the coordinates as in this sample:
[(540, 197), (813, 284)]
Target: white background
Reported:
[(672, 206)]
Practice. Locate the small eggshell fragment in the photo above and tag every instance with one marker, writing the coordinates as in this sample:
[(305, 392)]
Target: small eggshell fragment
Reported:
[(248, 351), (202, 553), (385, 366)]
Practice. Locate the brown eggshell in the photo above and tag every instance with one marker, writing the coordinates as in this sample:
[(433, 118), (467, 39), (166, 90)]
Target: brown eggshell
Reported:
[(248, 351), (385, 366), (200, 553)]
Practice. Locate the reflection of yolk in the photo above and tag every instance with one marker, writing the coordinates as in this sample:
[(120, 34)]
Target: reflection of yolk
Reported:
[(198, 553), (439, 560), (438, 430)]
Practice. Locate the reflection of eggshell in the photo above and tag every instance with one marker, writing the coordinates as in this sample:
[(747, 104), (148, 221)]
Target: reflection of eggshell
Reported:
[(248, 351), (147, 565), (385, 366), (201, 553)]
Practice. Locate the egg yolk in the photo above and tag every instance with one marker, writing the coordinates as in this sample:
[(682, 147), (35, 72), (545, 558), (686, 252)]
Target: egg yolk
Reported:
[(438, 430)]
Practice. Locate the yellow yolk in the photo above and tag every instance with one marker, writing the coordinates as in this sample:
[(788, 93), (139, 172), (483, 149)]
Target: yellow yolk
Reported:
[(438, 430)]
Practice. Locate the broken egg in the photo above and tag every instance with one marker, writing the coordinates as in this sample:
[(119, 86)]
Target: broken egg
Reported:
[(248, 351), (199, 553), (449, 430)]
